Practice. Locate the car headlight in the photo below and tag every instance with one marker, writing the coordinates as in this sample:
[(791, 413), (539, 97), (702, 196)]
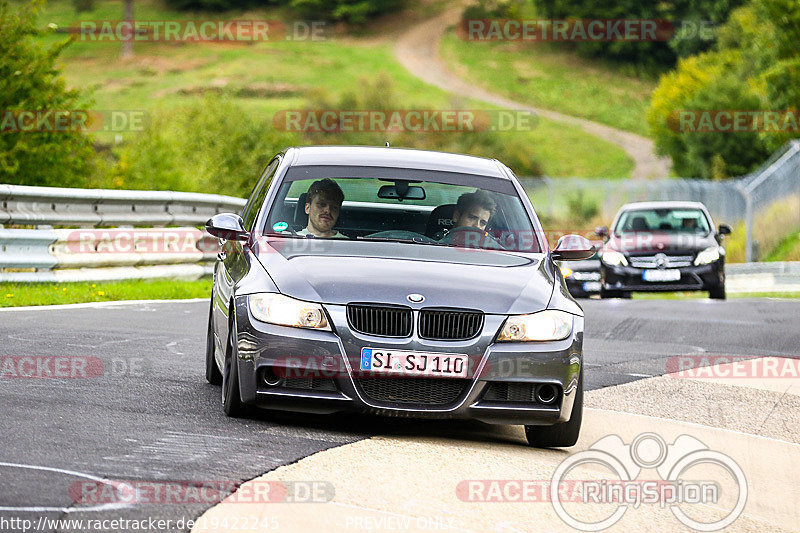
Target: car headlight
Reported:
[(566, 272), (709, 255), (549, 325), (614, 258), (284, 311)]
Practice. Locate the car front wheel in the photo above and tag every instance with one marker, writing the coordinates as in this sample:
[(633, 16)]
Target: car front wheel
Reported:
[(213, 375), (718, 292), (231, 397), (559, 435)]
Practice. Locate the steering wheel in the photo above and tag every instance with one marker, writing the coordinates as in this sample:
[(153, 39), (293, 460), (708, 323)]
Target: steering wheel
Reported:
[(471, 237)]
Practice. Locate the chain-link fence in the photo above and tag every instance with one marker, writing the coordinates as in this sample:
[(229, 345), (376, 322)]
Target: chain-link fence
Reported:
[(765, 203)]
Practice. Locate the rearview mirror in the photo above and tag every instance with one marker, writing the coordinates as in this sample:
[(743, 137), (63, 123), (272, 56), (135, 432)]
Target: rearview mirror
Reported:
[(573, 248), (601, 231), (401, 191), (724, 229), (228, 226)]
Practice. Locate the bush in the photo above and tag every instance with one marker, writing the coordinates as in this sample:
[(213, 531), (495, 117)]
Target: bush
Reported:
[(29, 81), (352, 11), (380, 95), (755, 66), (212, 145)]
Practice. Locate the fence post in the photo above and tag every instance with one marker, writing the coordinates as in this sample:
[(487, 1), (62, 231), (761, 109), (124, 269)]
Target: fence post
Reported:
[(748, 222)]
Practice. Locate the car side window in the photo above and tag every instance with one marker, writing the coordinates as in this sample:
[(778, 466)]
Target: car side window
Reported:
[(250, 211)]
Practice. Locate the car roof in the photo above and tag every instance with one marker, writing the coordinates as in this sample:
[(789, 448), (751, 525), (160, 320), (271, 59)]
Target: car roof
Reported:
[(373, 156), (663, 205)]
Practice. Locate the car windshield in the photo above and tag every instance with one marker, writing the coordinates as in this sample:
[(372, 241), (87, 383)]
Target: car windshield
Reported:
[(692, 221), (401, 205)]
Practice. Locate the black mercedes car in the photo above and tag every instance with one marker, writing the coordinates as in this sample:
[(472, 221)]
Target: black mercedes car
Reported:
[(398, 283), (662, 247)]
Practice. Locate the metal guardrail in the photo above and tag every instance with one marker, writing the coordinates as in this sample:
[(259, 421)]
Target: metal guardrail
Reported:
[(762, 277), (24, 205), (91, 254)]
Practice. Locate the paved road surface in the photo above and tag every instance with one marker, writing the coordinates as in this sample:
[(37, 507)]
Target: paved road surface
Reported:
[(151, 416)]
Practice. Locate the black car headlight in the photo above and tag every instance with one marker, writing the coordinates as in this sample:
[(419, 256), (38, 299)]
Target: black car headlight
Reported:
[(549, 325), (282, 310)]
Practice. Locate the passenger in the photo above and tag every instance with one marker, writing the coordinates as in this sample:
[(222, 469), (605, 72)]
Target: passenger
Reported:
[(323, 204)]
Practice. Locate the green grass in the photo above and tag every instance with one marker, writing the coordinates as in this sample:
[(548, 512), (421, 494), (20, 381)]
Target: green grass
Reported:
[(787, 250), (279, 76), (21, 294), (543, 75)]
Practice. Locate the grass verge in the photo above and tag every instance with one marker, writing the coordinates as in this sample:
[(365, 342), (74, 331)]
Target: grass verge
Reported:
[(22, 294), (542, 75), (268, 77)]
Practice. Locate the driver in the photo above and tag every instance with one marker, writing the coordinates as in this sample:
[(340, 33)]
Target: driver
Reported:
[(473, 210), (323, 204)]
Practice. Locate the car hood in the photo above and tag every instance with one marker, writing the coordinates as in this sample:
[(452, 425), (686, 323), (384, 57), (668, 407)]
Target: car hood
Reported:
[(659, 242), (341, 272)]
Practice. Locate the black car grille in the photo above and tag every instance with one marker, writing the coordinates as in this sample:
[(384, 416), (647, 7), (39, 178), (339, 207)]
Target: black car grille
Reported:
[(380, 320), (501, 391), (426, 391), (511, 392), (324, 384), (449, 325), (667, 261)]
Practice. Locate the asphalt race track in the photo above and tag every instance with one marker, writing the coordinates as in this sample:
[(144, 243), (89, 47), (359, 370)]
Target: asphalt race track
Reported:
[(147, 414)]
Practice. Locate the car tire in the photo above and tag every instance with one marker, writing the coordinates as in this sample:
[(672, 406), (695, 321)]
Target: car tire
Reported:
[(213, 375), (231, 397), (610, 294), (560, 435), (718, 292)]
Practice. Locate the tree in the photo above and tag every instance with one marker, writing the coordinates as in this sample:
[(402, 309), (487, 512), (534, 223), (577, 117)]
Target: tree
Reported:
[(29, 81), (127, 43)]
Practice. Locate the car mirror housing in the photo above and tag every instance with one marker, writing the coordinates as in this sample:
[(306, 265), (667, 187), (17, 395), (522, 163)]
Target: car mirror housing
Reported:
[(724, 229), (228, 226), (573, 248), (601, 231)]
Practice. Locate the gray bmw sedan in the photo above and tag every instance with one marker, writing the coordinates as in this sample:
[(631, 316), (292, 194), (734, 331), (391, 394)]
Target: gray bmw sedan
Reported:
[(398, 283)]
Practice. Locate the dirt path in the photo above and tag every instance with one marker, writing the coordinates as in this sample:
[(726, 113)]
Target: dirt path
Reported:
[(418, 50)]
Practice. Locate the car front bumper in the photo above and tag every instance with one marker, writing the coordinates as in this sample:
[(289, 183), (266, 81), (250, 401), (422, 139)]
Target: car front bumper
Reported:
[(316, 372), (692, 278)]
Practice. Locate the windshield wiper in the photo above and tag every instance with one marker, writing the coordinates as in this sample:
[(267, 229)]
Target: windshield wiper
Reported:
[(409, 241)]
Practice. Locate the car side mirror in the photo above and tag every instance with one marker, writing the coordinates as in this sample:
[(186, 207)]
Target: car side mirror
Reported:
[(228, 226), (601, 231), (724, 229), (573, 248)]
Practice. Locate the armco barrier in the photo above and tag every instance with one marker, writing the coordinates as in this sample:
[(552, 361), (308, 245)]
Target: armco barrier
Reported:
[(87, 253), (779, 277), (56, 206)]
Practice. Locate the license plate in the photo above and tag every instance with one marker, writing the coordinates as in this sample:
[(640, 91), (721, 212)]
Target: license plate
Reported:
[(591, 286), (412, 363), (661, 275)]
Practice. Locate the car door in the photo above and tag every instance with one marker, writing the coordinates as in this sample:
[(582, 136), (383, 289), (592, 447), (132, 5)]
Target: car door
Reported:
[(234, 260)]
